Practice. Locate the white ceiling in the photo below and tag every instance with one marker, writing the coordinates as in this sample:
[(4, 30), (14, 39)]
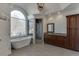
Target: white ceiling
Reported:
[(31, 8)]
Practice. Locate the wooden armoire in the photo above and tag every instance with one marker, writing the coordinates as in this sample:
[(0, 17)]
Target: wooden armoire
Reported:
[(72, 41)]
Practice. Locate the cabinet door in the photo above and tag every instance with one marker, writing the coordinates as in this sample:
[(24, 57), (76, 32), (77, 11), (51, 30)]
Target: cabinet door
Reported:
[(67, 41), (61, 41), (77, 22), (77, 41), (71, 31), (77, 36), (71, 21), (51, 39), (72, 38), (68, 21)]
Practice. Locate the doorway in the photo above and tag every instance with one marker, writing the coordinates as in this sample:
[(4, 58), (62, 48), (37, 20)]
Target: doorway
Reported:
[(38, 30)]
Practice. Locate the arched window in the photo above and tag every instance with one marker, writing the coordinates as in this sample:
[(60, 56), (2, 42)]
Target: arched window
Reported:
[(17, 14), (18, 24)]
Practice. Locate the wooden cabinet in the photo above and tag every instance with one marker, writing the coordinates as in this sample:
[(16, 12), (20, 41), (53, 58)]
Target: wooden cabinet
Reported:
[(73, 32), (72, 39), (71, 21), (49, 39), (61, 41), (57, 40)]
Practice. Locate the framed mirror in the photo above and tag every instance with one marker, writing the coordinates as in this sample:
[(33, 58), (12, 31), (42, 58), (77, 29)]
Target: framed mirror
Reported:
[(50, 27)]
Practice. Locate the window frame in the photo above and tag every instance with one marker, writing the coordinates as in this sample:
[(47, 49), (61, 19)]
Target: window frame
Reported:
[(25, 25)]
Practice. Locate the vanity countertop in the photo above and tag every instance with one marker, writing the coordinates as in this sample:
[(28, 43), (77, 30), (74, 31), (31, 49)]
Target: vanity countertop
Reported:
[(60, 34)]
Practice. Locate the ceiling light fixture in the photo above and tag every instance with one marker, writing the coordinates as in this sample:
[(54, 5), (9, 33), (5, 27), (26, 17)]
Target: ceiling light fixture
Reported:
[(40, 6)]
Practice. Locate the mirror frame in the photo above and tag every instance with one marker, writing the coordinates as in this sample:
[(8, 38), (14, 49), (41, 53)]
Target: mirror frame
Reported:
[(53, 28)]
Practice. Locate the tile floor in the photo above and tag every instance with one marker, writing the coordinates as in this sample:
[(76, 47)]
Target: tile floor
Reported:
[(43, 50)]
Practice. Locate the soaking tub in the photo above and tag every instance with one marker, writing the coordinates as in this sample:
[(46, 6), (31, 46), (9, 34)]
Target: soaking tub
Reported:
[(21, 42)]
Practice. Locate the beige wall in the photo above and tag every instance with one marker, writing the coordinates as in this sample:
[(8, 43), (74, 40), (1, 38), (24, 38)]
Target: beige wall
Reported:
[(60, 22), (5, 44)]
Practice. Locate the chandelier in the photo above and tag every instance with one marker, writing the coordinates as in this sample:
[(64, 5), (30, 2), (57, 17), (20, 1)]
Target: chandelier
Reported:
[(40, 6)]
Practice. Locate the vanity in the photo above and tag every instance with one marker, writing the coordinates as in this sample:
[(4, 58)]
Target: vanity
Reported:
[(56, 39)]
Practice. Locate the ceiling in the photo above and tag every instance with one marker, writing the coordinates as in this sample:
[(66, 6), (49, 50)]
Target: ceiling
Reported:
[(31, 8)]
